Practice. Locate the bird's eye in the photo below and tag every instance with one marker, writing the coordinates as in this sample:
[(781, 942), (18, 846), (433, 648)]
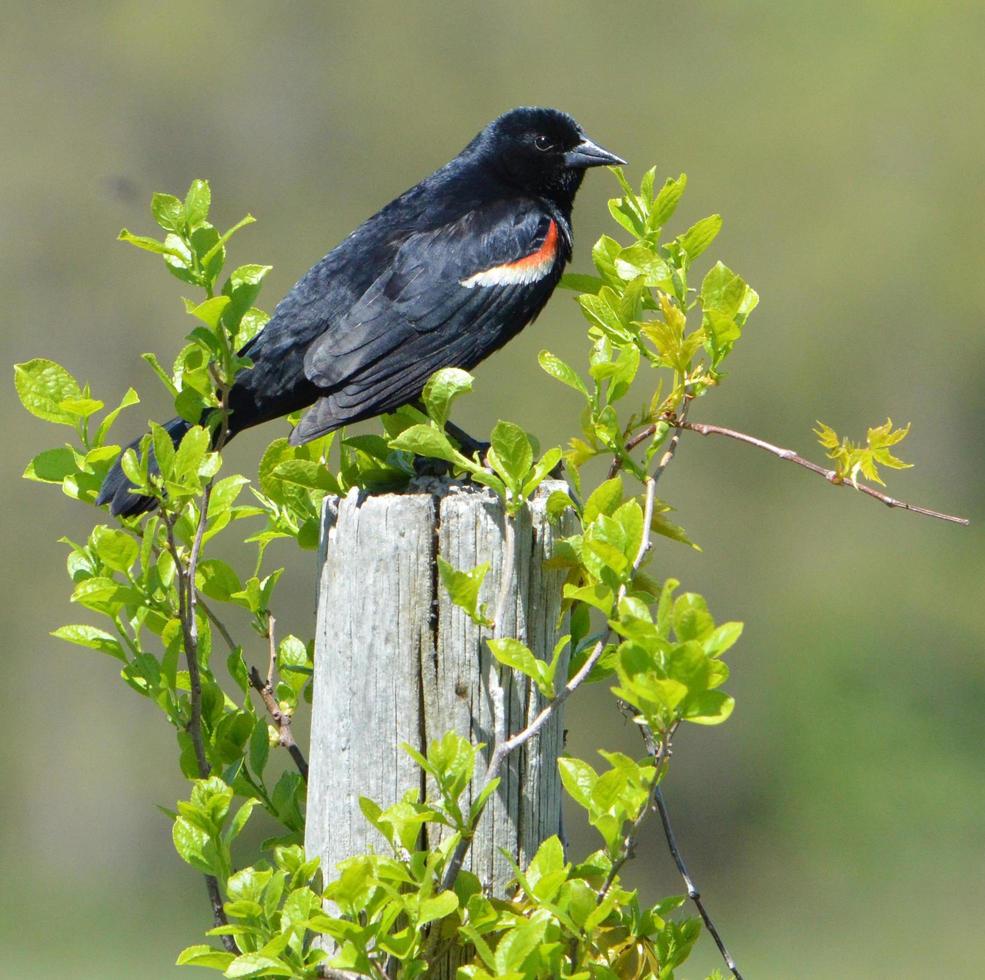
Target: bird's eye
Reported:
[(543, 143)]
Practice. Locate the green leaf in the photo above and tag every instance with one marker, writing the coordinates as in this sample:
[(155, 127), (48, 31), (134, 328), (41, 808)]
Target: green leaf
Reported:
[(581, 283), (665, 203), (442, 389), (115, 549), (557, 369), (91, 637), (190, 455), (242, 288), (217, 580), (258, 964), (259, 746), (700, 235), (642, 261), (579, 779), (510, 454), (206, 956), (80, 408), (168, 212), (437, 908), (463, 589), (51, 466), (307, 473), (721, 639), (425, 440), (708, 707), (605, 499), (42, 386), (198, 200), (130, 398), (515, 654), (210, 311), (292, 654), (147, 244)]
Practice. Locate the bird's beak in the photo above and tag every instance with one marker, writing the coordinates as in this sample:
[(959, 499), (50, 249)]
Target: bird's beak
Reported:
[(589, 154)]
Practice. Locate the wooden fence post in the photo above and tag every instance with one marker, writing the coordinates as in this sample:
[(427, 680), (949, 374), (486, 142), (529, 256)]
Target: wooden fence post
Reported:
[(396, 661)]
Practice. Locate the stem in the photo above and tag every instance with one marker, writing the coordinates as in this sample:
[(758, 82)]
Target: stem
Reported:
[(660, 759), (186, 613), (692, 892), (788, 454), (280, 718)]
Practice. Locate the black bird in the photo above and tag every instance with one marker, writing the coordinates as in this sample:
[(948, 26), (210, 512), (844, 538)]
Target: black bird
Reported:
[(441, 277)]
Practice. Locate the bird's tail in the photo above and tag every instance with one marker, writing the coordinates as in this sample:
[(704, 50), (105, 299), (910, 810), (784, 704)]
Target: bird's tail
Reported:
[(117, 490)]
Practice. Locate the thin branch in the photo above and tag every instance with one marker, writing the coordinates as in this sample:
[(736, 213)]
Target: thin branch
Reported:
[(656, 802), (831, 476), (692, 892), (505, 747), (186, 614), (660, 757), (265, 689), (280, 718), (218, 624), (187, 595), (190, 636), (618, 462)]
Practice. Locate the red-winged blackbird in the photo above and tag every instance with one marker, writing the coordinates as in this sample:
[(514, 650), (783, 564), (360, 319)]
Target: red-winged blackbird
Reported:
[(441, 277)]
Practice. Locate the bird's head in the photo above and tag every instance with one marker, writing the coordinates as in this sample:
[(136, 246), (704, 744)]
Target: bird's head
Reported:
[(543, 151)]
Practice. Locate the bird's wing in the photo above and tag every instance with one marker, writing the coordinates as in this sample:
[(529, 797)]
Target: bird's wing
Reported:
[(450, 276)]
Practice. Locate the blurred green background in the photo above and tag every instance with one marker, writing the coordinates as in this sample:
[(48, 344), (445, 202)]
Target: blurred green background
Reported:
[(837, 824)]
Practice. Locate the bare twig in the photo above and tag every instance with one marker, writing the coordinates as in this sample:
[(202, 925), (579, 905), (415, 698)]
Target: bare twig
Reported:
[(831, 476), (280, 718), (692, 892), (661, 750), (504, 747)]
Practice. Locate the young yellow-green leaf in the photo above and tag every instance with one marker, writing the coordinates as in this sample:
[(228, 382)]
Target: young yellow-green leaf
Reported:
[(514, 654), (579, 779), (217, 580), (562, 372), (115, 549), (510, 453), (129, 398), (190, 455), (425, 440), (168, 212), (666, 201), (581, 283), (708, 707), (91, 637), (442, 389), (198, 200), (700, 235), (147, 244), (292, 654), (51, 466), (42, 386), (604, 499), (207, 956), (463, 589), (437, 908), (210, 311)]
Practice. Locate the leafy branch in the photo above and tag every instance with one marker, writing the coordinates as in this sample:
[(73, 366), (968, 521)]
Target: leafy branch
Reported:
[(832, 476)]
